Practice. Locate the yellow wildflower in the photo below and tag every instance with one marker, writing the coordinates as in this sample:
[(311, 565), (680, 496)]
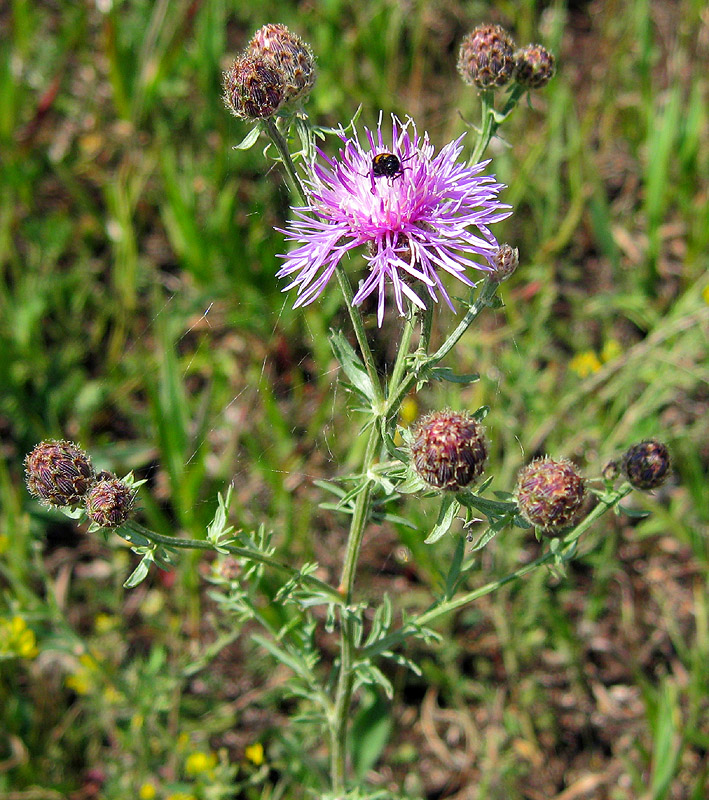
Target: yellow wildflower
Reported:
[(105, 623), (705, 294), (80, 682), (585, 364), (199, 763), (16, 639), (254, 753), (147, 792), (4, 543), (611, 350), (112, 696)]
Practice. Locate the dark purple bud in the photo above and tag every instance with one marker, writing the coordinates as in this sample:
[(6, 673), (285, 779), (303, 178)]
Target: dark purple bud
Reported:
[(449, 449)]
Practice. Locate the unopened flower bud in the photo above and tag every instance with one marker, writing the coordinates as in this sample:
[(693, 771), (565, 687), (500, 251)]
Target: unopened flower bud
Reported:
[(58, 473), (486, 57), (449, 449), (550, 495), (505, 261), (254, 88), (109, 503), (647, 464), (534, 66), (291, 57), (610, 471)]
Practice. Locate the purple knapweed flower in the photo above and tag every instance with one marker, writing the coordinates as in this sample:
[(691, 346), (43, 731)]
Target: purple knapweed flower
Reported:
[(417, 213)]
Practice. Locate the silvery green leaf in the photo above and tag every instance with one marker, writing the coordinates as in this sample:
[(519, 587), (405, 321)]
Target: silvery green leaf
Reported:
[(449, 508), (249, 140), (403, 661), (454, 570), (328, 486), (132, 536), (140, 572), (447, 374), (395, 519), (503, 496), (218, 529), (381, 622), (351, 364), (634, 513), (72, 513), (412, 483), (483, 539), (369, 675)]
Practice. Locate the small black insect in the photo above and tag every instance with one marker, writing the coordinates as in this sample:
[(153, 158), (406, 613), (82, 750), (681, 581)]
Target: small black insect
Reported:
[(386, 165)]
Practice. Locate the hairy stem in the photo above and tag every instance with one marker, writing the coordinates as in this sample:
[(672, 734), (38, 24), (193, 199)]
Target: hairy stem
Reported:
[(282, 146), (345, 681)]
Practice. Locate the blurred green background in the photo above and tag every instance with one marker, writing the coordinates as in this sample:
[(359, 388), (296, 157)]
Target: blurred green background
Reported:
[(140, 317)]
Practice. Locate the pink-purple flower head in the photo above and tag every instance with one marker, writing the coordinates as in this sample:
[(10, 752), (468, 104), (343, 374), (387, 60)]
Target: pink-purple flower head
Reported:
[(428, 217)]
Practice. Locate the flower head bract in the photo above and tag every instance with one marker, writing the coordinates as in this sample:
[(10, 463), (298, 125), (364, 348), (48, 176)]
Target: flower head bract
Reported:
[(429, 217)]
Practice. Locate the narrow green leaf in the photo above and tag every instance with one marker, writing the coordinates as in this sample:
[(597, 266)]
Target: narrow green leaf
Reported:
[(351, 364), (454, 569), (249, 140), (369, 675), (447, 374), (449, 508), (483, 539), (140, 573)]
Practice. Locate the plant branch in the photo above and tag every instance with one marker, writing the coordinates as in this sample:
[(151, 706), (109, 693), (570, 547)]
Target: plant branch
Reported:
[(244, 552), (446, 607)]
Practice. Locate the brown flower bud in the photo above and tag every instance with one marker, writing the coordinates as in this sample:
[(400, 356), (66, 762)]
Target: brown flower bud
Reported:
[(109, 503), (505, 261), (486, 57), (449, 449), (647, 464), (58, 473), (253, 88), (534, 66), (291, 57), (550, 495)]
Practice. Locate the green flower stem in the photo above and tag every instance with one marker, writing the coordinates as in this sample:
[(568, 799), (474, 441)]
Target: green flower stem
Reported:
[(345, 681), (441, 609), (484, 299), (487, 126), (491, 119), (426, 325), (243, 552), (361, 334), (404, 345), (282, 146)]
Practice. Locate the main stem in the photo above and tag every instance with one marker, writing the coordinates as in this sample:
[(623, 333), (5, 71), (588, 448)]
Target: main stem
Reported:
[(345, 681)]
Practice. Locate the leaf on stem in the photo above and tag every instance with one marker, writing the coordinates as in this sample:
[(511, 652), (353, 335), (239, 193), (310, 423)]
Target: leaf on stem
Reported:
[(249, 140), (352, 365), (447, 374), (449, 508)]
